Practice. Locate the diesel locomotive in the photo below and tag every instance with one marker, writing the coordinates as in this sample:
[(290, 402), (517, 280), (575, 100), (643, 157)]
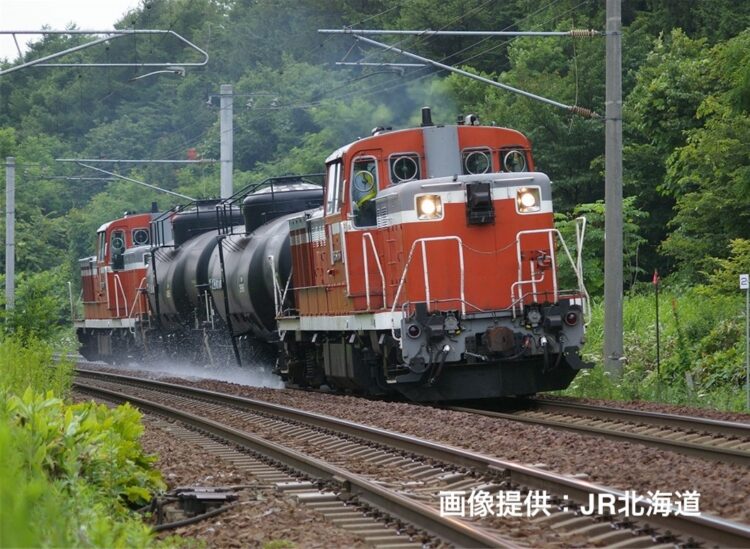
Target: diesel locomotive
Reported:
[(423, 262)]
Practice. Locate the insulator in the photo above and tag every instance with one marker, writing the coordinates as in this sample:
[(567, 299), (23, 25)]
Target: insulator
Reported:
[(582, 111), (583, 33)]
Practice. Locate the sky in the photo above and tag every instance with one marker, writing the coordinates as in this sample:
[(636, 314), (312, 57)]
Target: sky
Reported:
[(33, 14)]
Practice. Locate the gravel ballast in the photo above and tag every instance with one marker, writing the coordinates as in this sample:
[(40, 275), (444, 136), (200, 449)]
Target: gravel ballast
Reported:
[(262, 515), (724, 488)]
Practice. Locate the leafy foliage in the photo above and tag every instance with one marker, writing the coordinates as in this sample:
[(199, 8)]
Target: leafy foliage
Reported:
[(68, 473), (701, 348), (593, 251), (61, 470)]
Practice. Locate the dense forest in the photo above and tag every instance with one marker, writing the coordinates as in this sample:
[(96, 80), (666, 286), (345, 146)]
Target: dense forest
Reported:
[(686, 78)]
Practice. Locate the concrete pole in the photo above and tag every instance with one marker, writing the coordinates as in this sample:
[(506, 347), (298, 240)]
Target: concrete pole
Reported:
[(227, 139), (10, 233), (613, 224)]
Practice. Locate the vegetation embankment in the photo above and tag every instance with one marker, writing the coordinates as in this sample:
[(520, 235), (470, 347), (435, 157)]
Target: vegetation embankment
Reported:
[(701, 352), (70, 474)]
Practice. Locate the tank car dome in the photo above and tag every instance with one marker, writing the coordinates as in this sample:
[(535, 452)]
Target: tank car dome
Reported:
[(199, 218), (279, 199)]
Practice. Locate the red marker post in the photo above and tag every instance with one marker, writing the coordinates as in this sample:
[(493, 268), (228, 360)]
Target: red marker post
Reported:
[(745, 285), (655, 281)]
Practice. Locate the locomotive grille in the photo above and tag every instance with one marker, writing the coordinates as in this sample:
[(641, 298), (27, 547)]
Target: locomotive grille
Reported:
[(385, 206), (317, 232)]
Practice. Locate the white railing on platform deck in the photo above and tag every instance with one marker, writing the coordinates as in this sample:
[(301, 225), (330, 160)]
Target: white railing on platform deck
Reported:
[(423, 246), (367, 237)]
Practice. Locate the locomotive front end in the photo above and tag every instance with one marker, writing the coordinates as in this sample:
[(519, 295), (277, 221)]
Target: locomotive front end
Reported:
[(482, 311)]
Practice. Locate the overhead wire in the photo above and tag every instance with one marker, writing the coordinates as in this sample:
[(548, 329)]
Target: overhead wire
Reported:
[(412, 77), (404, 81), (387, 87)]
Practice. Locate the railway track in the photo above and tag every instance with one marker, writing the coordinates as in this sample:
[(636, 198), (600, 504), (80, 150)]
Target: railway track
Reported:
[(402, 476), (724, 441)]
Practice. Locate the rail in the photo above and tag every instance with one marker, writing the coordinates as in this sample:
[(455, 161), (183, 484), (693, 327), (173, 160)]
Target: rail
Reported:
[(716, 530), (367, 237), (370, 491), (708, 439)]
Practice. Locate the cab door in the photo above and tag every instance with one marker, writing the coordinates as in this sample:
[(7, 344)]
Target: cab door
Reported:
[(329, 258), (363, 258)]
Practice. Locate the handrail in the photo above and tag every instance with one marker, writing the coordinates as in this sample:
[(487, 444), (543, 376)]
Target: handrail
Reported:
[(118, 285), (423, 244), (140, 287), (367, 237), (577, 266), (279, 295), (137, 300)]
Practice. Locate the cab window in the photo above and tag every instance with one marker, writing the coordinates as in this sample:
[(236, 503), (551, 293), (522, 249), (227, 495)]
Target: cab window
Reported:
[(513, 160), (141, 237), (117, 249), (333, 189), (101, 246), (476, 161), (364, 189), (404, 167)]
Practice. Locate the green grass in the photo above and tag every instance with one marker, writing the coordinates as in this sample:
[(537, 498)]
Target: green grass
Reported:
[(702, 351), (26, 362)]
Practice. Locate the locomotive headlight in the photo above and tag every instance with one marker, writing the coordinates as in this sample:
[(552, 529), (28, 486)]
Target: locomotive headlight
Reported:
[(429, 206), (528, 200)]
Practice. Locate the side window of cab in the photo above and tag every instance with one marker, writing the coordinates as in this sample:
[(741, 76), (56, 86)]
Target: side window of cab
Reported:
[(364, 189), (117, 249), (101, 246)]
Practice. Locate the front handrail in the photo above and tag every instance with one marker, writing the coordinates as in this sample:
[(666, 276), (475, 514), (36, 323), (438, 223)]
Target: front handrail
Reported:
[(140, 288), (367, 237), (577, 266), (423, 244), (118, 286)]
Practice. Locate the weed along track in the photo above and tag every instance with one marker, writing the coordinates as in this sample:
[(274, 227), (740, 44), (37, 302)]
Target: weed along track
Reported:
[(362, 477)]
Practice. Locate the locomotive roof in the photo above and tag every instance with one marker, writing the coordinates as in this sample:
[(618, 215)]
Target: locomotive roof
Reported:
[(128, 217), (338, 153)]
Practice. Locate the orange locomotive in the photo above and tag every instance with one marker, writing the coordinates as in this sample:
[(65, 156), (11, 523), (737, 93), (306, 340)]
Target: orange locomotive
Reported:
[(430, 270), (112, 287)]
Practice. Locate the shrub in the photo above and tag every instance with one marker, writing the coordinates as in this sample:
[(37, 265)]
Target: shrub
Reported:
[(68, 473), (27, 362), (701, 343)]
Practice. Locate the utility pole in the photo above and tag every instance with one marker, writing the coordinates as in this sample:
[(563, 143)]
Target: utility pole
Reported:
[(226, 129), (10, 233), (613, 225)]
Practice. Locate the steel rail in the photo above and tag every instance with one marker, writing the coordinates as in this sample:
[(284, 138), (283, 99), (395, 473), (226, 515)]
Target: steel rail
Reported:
[(716, 530), (419, 514), (702, 450), (716, 426)]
